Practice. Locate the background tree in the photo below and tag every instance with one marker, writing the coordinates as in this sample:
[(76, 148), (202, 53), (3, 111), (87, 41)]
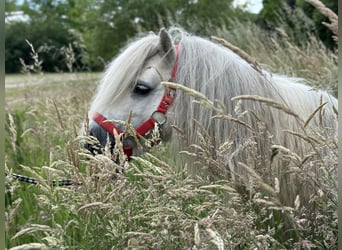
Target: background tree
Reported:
[(11, 5), (94, 31), (320, 30), (288, 14), (119, 20), (47, 30)]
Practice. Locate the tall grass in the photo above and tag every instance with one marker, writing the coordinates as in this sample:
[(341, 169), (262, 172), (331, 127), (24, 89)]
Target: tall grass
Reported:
[(149, 203)]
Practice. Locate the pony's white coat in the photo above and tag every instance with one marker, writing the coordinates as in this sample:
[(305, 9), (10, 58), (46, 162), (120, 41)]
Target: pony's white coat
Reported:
[(219, 74)]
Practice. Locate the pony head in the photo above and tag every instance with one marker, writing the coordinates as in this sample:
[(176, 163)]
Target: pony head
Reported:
[(131, 91)]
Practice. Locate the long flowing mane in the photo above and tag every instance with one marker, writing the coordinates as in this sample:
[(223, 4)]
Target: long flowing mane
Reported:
[(220, 74)]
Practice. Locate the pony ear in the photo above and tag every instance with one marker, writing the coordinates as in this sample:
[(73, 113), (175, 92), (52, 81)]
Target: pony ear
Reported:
[(166, 46)]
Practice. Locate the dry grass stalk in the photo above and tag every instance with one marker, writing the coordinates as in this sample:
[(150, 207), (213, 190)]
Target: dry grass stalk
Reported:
[(187, 90), (240, 52), (98, 204), (230, 118), (257, 178), (37, 64), (307, 138), (267, 101), (287, 151), (216, 239), (333, 25), (10, 217), (313, 113), (12, 129), (30, 246), (31, 229), (58, 114), (335, 110), (160, 163)]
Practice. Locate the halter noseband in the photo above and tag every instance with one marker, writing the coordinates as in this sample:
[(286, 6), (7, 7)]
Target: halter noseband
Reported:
[(148, 125)]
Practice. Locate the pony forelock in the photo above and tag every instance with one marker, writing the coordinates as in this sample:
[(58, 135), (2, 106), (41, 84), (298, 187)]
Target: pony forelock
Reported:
[(121, 74)]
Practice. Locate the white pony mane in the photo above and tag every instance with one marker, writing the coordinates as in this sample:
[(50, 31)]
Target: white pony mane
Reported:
[(220, 74)]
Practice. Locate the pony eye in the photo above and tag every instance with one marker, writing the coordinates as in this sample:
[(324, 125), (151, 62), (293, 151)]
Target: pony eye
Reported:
[(141, 89)]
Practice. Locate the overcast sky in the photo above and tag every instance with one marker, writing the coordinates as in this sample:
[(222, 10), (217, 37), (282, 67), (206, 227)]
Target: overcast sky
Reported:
[(253, 6)]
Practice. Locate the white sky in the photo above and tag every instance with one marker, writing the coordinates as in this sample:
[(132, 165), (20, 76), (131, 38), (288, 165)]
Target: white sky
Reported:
[(253, 6)]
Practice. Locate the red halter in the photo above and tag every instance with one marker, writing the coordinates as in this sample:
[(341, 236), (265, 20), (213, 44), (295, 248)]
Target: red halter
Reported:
[(148, 125)]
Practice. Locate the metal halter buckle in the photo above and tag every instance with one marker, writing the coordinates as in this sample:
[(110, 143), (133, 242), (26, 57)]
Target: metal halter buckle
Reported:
[(172, 92), (159, 117)]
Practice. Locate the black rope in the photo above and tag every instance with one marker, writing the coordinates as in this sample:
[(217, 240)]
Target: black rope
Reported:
[(59, 183)]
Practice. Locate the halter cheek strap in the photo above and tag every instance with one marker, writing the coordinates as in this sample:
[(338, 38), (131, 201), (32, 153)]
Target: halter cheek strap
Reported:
[(175, 67), (148, 125)]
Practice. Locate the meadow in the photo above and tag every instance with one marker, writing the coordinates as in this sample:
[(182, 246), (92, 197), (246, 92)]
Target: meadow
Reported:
[(150, 203)]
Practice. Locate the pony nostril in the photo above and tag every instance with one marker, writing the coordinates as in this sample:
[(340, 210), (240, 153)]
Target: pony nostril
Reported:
[(99, 133), (102, 136)]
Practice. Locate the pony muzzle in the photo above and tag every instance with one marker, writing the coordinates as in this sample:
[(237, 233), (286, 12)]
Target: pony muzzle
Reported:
[(102, 138)]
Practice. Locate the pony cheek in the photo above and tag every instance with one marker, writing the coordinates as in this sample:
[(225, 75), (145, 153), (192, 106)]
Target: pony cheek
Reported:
[(145, 107)]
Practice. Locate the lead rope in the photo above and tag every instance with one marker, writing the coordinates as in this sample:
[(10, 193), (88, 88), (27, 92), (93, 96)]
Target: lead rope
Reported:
[(55, 183)]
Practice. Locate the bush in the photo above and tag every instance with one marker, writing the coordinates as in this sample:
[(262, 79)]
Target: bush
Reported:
[(50, 39)]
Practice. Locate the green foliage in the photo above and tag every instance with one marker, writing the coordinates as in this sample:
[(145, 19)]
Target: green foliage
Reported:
[(280, 53), (50, 36), (279, 14), (11, 5), (103, 27), (115, 21), (288, 14), (96, 30), (322, 32)]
